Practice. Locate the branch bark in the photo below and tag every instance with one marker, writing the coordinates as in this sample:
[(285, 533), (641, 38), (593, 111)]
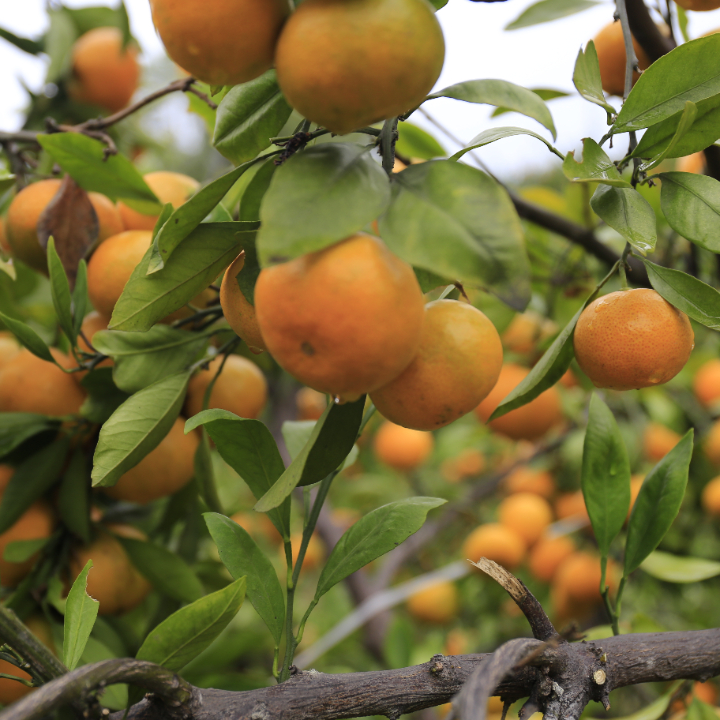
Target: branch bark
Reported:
[(646, 32)]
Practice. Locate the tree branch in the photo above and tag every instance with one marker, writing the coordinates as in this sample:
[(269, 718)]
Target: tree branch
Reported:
[(646, 32)]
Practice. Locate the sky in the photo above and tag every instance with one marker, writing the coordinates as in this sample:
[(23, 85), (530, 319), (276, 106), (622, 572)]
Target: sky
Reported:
[(477, 48)]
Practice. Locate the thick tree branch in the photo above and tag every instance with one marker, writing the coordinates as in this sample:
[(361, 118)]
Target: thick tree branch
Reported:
[(646, 32)]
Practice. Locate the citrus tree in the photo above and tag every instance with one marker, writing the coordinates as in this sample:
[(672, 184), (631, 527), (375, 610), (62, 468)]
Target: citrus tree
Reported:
[(147, 491)]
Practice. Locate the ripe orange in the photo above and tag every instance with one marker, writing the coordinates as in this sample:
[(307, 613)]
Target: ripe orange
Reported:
[(103, 72), (658, 441), (632, 339), (711, 497), (570, 505), (169, 187), (161, 472), (578, 577), (310, 403), (610, 48), (698, 5), (314, 554), (548, 554), (345, 320), (241, 388), (24, 213), (495, 542), (257, 525), (456, 366), (36, 523), (230, 45), (706, 383), (9, 348), (239, 313), (525, 479), (711, 443), (527, 514), (344, 63), (402, 448), (694, 163), (457, 642), (29, 384), (528, 422), (469, 463), (526, 331), (437, 604)]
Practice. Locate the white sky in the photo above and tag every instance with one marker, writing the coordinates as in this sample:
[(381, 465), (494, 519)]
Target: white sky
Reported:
[(477, 48)]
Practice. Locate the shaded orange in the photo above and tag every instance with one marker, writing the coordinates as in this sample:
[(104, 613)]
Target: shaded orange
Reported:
[(548, 554), (711, 444), (257, 525), (326, 73), (402, 448), (232, 44), (345, 320), (571, 504), (658, 441), (694, 163), (706, 382), (456, 366), (525, 331), (632, 339), (239, 313), (610, 47), (163, 471), (29, 384), (469, 463), (314, 554), (636, 482), (711, 497), (495, 542), (527, 514), (344, 517), (9, 348), (6, 473), (457, 642), (525, 479), (437, 604), (578, 577), (698, 5), (528, 422), (240, 388), (311, 404), (4, 244), (169, 187), (103, 72)]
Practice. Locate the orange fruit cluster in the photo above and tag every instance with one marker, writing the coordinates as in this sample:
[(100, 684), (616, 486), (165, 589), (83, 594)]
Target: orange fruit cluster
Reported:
[(610, 47)]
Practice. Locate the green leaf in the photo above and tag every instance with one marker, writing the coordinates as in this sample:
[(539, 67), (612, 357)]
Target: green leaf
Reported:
[(74, 496), (654, 711), (166, 571), (490, 136), (414, 142), (187, 632), (82, 158), (586, 77), (28, 337), (60, 292), (689, 72), (687, 120), (296, 433), (595, 166), (144, 358), (31, 480), (428, 280), (545, 373), (691, 205), (202, 256), (700, 710), (32, 47), (80, 614), (482, 239), (318, 197), (375, 534), (625, 210), (248, 116), (19, 551), (242, 557), (137, 427), (331, 441), (696, 299), (547, 11), (605, 478), (254, 193), (501, 93), (104, 397), (80, 297), (657, 503), (16, 428), (59, 39), (543, 93), (675, 569), (249, 448)]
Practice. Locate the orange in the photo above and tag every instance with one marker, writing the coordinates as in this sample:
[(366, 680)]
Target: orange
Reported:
[(457, 642), (527, 514), (610, 48), (24, 213), (345, 320), (437, 604), (712, 443), (257, 525), (632, 339), (658, 441), (36, 523), (525, 479), (402, 448), (711, 497), (314, 554), (6, 473), (694, 163), (456, 366), (310, 403), (163, 471), (698, 5), (230, 45), (169, 187), (345, 64), (636, 482), (526, 331), (529, 422), (239, 313), (103, 72), (569, 380), (4, 244), (495, 542), (9, 348), (706, 383), (241, 388), (468, 463), (578, 577), (570, 505), (548, 554), (29, 384)]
